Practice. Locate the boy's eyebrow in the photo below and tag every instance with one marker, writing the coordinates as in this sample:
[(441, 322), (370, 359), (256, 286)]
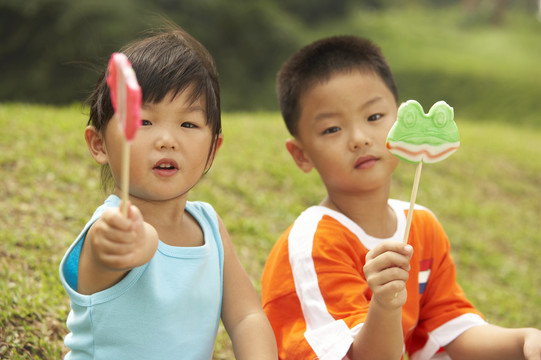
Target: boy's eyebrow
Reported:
[(372, 101), (325, 115)]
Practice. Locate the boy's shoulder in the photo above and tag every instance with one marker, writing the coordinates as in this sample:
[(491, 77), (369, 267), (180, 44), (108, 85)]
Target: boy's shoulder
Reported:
[(320, 223)]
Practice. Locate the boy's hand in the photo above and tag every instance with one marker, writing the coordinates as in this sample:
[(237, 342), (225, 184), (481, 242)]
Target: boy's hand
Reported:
[(121, 243), (386, 271)]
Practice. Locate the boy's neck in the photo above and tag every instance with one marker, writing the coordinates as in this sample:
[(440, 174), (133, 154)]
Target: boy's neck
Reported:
[(370, 211)]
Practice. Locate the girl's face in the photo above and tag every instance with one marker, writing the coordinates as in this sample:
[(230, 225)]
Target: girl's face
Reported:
[(170, 151)]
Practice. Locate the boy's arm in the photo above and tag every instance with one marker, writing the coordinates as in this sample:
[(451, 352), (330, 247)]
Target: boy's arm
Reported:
[(114, 245), (242, 314), (386, 271), (493, 342)]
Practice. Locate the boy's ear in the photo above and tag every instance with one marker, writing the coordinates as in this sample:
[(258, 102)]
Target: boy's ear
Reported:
[(96, 144), (297, 153)]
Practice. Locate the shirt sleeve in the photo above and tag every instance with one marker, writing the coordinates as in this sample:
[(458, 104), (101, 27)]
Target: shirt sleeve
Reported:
[(333, 293), (445, 312)]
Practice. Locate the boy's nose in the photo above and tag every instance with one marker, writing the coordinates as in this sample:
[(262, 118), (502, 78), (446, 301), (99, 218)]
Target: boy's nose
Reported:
[(358, 139)]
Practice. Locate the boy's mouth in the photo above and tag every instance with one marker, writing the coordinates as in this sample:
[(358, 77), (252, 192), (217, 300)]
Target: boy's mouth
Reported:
[(365, 162)]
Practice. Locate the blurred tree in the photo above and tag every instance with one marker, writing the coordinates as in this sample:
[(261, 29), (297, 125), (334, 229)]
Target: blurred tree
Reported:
[(248, 39), (315, 11), (46, 45), (495, 9), (52, 50)]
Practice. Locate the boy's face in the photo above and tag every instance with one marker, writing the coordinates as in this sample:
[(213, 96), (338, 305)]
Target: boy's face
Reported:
[(169, 152), (342, 133)]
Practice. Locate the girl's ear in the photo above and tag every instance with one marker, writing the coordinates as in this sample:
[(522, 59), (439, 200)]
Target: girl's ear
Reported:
[(217, 145), (297, 153), (96, 145)]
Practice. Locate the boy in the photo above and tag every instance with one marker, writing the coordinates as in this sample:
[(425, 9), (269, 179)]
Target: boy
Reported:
[(339, 283)]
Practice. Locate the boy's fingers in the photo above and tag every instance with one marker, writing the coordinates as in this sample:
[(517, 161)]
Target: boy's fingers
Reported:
[(394, 246), (389, 259)]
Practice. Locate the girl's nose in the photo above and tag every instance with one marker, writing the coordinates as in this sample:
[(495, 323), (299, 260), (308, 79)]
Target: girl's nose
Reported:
[(166, 141)]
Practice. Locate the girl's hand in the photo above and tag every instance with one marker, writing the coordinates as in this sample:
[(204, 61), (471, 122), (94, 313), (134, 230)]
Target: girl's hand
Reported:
[(122, 243), (114, 245), (532, 345), (386, 271)]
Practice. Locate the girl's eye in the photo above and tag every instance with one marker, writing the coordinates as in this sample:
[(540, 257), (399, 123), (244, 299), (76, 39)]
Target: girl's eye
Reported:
[(145, 123), (374, 117), (331, 130), (188, 125)]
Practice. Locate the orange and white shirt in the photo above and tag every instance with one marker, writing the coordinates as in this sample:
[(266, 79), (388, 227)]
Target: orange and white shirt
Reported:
[(316, 296)]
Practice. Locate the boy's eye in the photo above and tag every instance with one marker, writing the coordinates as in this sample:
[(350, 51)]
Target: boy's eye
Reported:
[(331, 130), (374, 117), (145, 123)]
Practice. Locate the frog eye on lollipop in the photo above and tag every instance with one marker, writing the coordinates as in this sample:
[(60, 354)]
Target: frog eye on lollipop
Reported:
[(441, 117), (410, 113)]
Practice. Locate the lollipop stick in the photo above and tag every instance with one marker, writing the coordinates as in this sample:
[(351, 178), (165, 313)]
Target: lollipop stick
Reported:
[(412, 201), (125, 176), (125, 169)]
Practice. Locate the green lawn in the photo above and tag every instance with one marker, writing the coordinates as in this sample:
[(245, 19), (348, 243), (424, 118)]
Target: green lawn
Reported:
[(487, 196)]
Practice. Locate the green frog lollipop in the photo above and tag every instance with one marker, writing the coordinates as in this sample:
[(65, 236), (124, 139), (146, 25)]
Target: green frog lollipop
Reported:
[(418, 137)]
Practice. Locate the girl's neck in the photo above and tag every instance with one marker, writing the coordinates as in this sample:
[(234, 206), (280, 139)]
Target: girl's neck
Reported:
[(175, 226)]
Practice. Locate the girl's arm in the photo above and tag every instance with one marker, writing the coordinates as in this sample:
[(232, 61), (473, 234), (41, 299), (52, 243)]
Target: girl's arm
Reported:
[(494, 342), (114, 245), (242, 314)]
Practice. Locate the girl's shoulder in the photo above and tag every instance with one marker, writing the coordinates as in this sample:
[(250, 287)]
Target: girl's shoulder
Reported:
[(203, 212)]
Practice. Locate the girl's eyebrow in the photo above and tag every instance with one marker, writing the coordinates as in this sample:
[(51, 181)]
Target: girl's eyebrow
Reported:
[(195, 107)]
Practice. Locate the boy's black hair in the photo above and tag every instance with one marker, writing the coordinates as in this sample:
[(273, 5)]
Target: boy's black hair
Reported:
[(317, 62), (168, 62)]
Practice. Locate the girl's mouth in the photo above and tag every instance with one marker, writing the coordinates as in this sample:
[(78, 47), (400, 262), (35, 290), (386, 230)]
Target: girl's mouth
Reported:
[(165, 167)]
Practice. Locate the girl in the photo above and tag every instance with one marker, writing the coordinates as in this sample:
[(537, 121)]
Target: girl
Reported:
[(154, 284)]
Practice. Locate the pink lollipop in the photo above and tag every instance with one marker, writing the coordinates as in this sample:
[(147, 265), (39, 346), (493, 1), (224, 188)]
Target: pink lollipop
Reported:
[(126, 98), (125, 94)]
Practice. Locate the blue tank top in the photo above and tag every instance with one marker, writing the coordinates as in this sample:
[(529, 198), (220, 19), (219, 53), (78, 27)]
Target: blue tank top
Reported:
[(167, 308)]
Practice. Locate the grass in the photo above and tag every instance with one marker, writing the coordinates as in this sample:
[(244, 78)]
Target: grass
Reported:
[(486, 195)]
